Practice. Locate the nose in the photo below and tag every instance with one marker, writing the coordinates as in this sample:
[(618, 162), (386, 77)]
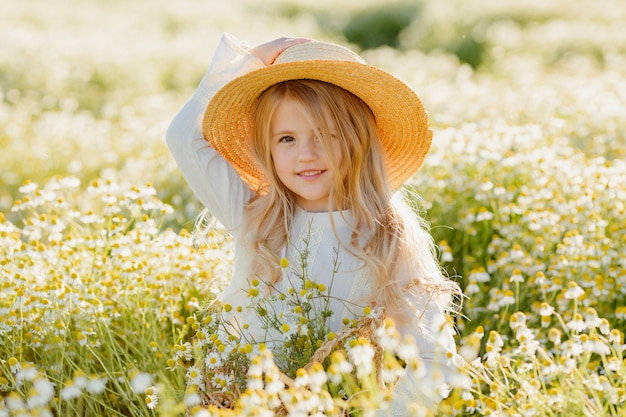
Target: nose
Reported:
[(308, 150)]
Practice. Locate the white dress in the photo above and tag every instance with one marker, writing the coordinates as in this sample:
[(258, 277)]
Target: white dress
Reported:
[(221, 190)]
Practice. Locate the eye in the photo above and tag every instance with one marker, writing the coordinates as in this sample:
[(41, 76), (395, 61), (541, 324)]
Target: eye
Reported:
[(286, 139), (332, 135)]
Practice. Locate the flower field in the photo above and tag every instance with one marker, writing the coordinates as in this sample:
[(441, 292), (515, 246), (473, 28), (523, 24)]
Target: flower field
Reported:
[(101, 282)]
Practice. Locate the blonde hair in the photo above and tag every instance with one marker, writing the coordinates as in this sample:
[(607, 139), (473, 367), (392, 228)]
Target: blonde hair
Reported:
[(391, 229)]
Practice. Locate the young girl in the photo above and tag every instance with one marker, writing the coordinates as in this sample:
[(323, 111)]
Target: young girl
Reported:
[(299, 147)]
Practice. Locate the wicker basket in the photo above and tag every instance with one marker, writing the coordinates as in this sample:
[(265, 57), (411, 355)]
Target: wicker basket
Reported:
[(365, 327)]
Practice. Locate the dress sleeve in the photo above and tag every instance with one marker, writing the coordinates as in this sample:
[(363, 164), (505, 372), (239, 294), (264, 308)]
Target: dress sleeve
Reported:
[(214, 182), (434, 339)]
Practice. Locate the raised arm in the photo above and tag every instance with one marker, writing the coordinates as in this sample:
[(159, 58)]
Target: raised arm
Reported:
[(209, 176)]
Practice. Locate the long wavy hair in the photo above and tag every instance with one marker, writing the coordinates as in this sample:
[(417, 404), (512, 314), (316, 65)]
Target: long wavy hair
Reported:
[(398, 250)]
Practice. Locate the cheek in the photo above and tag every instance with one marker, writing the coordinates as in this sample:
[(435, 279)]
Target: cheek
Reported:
[(338, 154), (273, 156), (338, 160), (279, 162)]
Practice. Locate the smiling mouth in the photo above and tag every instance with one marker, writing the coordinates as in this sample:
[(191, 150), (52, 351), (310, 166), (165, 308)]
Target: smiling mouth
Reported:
[(310, 173)]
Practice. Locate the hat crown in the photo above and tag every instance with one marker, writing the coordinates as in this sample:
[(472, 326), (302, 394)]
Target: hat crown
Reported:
[(316, 50)]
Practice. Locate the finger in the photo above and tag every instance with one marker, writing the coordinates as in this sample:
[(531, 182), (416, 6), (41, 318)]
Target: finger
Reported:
[(268, 52), (284, 44)]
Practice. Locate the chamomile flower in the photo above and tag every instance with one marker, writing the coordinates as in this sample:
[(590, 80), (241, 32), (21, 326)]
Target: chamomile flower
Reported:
[(317, 378), (546, 310), (152, 399), (40, 394), (446, 251), (573, 291), (472, 287), (14, 401), (194, 376), (213, 360), (479, 275), (517, 276), (192, 398), (14, 365), (140, 381), (615, 337), (4, 384), (27, 373), (273, 384), (70, 390), (80, 378), (591, 318), (507, 298), (577, 323), (361, 354), (183, 351), (96, 384), (338, 368), (221, 381)]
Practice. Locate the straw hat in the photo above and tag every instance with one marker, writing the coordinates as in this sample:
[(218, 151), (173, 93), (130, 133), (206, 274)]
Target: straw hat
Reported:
[(400, 117)]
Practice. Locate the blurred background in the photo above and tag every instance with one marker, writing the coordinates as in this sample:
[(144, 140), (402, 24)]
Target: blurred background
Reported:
[(88, 87)]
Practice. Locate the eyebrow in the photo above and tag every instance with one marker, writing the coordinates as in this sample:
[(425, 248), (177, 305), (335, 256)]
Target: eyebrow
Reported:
[(331, 129), (282, 132)]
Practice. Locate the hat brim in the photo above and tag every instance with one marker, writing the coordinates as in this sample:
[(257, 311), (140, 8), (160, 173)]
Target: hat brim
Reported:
[(400, 117)]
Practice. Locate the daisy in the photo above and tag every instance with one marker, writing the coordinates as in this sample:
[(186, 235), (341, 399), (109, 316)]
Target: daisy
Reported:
[(194, 376), (546, 309), (14, 364), (361, 355), (41, 393), (96, 385), (213, 360), (479, 275), (591, 318), (192, 398), (507, 299), (554, 335), (140, 381), (70, 391), (221, 381), (517, 276), (338, 367), (595, 345), (4, 385), (14, 401), (152, 400), (573, 291), (318, 378), (472, 287), (184, 351), (577, 323), (273, 385)]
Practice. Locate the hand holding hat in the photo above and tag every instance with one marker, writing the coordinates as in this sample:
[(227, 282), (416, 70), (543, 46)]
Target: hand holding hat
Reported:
[(269, 51)]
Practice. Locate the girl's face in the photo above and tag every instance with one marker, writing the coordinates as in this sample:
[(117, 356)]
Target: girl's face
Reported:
[(300, 161)]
